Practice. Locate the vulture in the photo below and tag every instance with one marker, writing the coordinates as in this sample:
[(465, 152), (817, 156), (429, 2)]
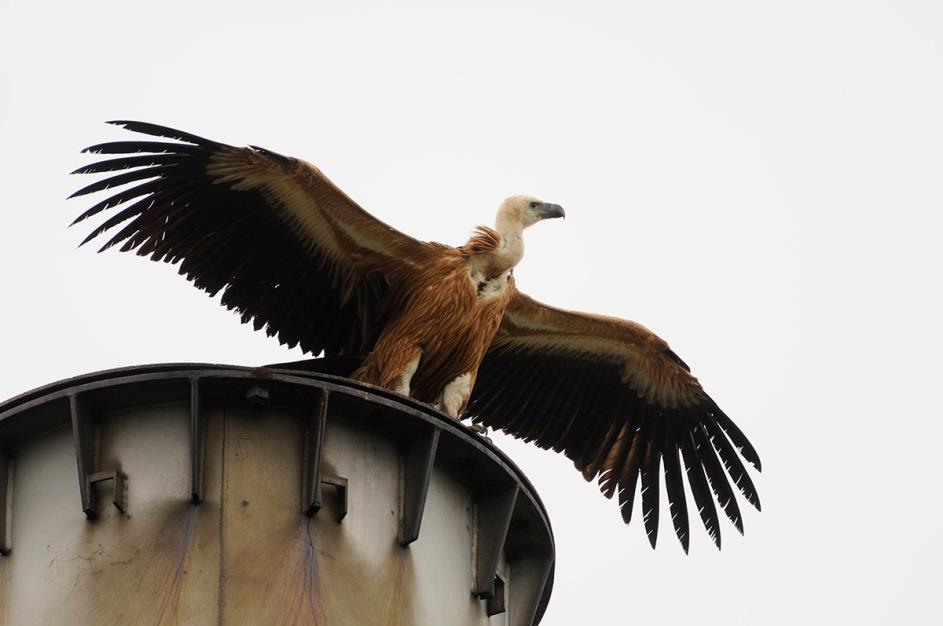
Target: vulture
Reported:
[(293, 254)]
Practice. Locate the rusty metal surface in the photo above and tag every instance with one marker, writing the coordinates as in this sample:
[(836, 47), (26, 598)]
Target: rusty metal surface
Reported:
[(247, 553)]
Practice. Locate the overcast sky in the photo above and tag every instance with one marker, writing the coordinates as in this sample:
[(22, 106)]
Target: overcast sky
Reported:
[(757, 182)]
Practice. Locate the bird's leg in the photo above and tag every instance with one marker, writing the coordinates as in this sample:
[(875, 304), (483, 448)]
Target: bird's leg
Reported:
[(406, 376), (455, 396)]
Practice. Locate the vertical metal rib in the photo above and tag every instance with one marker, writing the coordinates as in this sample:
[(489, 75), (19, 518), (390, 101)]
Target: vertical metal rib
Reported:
[(494, 519), (417, 472), (197, 442), (83, 436), (314, 441)]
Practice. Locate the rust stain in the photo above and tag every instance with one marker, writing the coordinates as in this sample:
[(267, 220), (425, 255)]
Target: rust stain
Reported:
[(377, 590), (401, 583), (311, 579), (283, 578), (137, 580), (182, 549)]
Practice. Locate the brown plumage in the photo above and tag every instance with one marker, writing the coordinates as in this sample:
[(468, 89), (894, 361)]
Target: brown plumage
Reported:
[(439, 318), (294, 255)]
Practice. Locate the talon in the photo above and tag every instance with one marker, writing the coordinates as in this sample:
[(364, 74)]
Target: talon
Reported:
[(482, 431)]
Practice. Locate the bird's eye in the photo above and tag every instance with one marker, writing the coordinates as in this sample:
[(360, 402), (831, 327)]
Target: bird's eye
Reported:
[(533, 205)]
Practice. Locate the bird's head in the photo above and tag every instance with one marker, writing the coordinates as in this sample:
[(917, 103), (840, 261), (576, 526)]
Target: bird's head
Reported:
[(526, 211)]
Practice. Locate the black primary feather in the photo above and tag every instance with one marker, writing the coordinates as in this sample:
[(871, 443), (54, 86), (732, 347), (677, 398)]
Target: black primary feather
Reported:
[(674, 485), (651, 471), (699, 488), (157, 130), (718, 478)]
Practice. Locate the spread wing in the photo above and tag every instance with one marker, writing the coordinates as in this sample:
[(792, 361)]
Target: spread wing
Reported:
[(615, 399), (288, 249)]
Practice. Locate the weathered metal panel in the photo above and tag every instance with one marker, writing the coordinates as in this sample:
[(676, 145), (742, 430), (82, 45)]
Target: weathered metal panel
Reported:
[(154, 564), (246, 553), (361, 555), (444, 552), (268, 574)]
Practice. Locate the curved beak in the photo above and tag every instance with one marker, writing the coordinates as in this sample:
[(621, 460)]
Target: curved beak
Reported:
[(547, 211)]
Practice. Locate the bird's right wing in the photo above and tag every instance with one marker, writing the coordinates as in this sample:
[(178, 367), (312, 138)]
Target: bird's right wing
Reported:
[(289, 250)]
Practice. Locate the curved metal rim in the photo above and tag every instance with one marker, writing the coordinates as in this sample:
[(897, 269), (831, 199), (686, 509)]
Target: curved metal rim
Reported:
[(143, 373), (65, 388)]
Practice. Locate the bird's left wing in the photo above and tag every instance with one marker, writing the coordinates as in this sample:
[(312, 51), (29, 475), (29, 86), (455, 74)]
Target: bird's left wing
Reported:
[(288, 249), (614, 398)]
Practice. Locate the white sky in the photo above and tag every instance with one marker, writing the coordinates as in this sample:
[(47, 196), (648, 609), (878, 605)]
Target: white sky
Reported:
[(759, 183)]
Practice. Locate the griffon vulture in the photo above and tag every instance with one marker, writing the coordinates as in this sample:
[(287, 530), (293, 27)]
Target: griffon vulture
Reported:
[(294, 255)]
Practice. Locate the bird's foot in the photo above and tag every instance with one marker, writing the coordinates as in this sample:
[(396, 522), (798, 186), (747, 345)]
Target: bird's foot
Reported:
[(482, 431)]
